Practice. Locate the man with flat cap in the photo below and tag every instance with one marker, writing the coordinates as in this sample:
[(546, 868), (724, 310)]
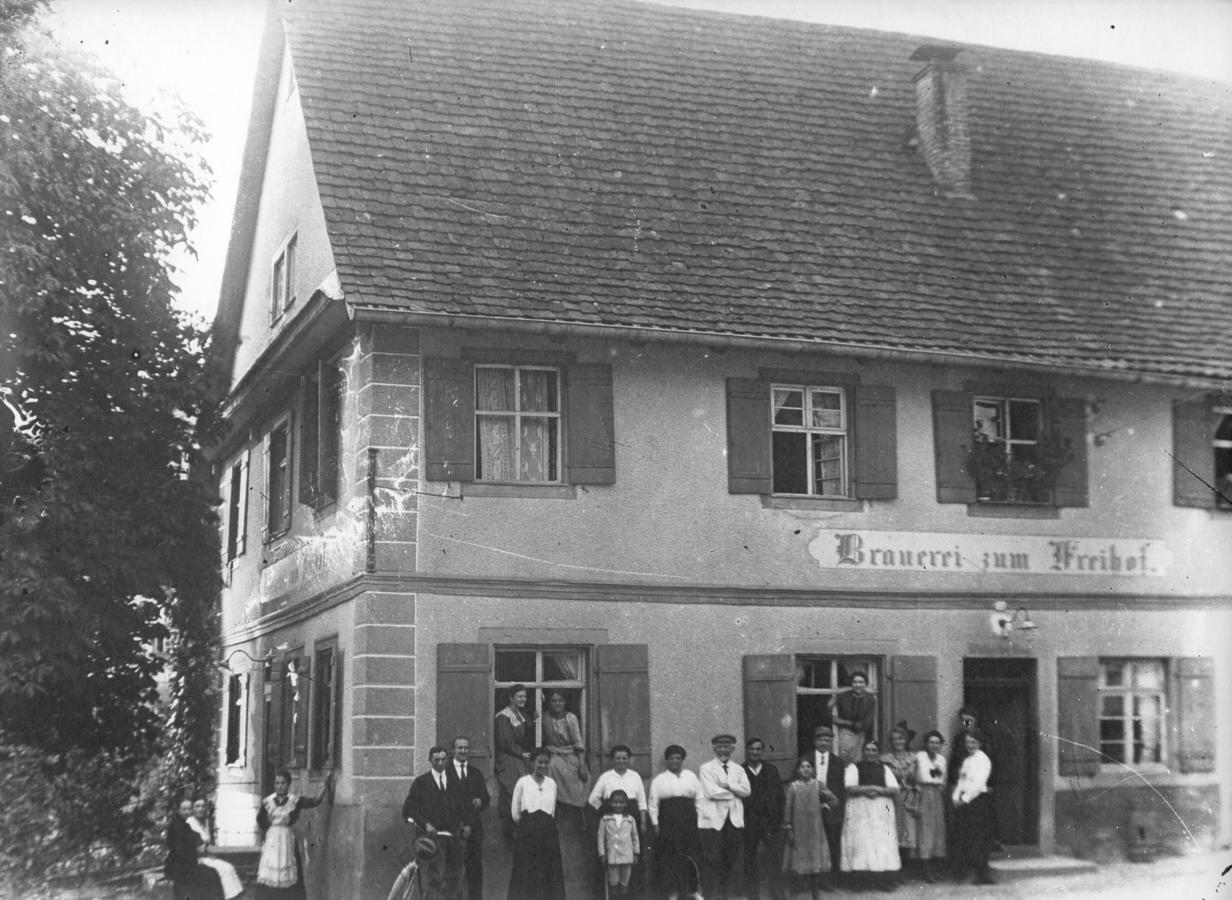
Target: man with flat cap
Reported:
[(720, 816), (831, 771)]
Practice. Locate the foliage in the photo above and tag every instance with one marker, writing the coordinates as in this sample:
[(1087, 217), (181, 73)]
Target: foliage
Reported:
[(1003, 478), (107, 544), (72, 812)]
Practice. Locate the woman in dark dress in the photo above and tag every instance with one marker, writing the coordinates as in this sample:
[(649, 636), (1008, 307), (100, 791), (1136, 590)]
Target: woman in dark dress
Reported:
[(189, 879), (514, 736), (673, 817), (974, 816), (538, 873)]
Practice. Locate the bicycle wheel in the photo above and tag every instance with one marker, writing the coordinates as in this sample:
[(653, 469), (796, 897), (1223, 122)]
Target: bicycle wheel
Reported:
[(407, 885)]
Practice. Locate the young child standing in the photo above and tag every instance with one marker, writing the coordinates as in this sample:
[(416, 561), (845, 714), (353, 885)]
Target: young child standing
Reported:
[(807, 854), (618, 844)]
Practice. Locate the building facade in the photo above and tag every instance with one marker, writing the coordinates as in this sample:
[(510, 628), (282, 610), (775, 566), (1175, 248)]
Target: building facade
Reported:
[(688, 364)]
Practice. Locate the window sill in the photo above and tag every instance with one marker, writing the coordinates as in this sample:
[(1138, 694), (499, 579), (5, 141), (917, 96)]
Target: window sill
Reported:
[(528, 491), (1012, 511), (771, 501)]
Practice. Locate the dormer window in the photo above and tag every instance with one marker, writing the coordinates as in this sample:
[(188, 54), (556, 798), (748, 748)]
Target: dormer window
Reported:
[(282, 280)]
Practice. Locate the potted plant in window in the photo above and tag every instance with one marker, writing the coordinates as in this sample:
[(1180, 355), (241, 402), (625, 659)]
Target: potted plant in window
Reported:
[(1002, 478)]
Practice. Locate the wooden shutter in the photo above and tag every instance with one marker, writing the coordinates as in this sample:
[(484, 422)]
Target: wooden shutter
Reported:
[(1195, 690), (1071, 421), (464, 698), (265, 496), (1193, 469), (449, 419), (770, 707), (288, 477), (589, 430), (876, 442), (301, 713), (1078, 715), (952, 428), (748, 436), (309, 432), (913, 692), (241, 531), (623, 674)]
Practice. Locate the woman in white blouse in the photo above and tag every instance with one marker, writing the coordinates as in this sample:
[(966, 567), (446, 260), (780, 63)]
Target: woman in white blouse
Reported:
[(537, 870), (930, 774), (973, 813)]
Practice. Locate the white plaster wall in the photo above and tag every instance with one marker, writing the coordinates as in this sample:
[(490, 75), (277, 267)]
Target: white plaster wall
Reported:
[(289, 203), (669, 519)]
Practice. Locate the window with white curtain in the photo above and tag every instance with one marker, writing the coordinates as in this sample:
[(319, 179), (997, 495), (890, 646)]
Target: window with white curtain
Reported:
[(1131, 711), (517, 424), (809, 440)]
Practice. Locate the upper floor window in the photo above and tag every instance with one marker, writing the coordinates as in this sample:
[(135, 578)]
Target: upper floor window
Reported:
[(278, 480), (533, 425), (1026, 449), (1132, 710), (517, 424), (235, 496), (1223, 460), (809, 440), (815, 435), (282, 279)]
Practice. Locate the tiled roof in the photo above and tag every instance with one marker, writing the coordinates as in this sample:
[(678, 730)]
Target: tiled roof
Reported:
[(605, 162)]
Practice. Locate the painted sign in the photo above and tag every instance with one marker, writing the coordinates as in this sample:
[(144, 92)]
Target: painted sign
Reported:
[(1012, 554)]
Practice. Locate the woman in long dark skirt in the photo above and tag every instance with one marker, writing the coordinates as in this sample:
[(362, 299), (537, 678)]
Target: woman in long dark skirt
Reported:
[(537, 870), (673, 818), (974, 816)]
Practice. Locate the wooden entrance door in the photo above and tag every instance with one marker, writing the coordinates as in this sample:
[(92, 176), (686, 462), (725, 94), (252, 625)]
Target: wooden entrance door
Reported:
[(1003, 694)]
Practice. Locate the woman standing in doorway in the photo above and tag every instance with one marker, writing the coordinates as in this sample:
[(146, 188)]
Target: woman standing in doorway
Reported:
[(513, 741), (854, 714), (973, 813)]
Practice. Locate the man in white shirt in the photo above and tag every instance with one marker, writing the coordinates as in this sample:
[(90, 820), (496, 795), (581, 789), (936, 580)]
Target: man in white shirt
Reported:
[(620, 777), (720, 816)]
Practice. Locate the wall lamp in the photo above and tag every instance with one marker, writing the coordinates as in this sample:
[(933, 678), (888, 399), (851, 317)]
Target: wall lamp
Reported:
[(1004, 623)]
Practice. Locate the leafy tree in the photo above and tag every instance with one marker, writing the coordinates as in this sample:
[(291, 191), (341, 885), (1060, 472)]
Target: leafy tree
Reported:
[(106, 543)]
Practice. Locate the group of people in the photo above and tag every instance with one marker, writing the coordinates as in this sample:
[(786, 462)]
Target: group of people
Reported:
[(197, 875), (861, 815)]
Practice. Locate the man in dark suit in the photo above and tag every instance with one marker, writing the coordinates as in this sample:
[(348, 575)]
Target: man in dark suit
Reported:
[(472, 798), (763, 820), (431, 807), (830, 771)]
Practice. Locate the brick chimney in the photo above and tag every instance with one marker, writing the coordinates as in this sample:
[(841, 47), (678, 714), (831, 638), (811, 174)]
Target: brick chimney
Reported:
[(941, 118)]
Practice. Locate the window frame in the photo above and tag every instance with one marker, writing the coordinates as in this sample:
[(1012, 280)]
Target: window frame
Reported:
[(324, 749), (807, 392), (235, 720), (1222, 452), (874, 667), (291, 686), (537, 690), (1127, 717), (282, 277), (556, 454), (237, 509)]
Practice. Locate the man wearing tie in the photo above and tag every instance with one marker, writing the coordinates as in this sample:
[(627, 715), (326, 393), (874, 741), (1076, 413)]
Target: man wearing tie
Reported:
[(830, 771), (472, 798), (431, 807), (720, 816)]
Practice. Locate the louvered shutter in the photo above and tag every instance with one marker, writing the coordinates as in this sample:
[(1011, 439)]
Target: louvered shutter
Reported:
[(876, 442), (913, 692), (449, 413), (952, 429), (748, 436), (624, 701), (1193, 468), (464, 698), (589, 428), (241, 531), (1078, 715), (1071, 422), (770, 707)]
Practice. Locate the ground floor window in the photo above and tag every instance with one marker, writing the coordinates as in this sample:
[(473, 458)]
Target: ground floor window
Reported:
[(237, 719), (819, 679), (542, 672), (1132, 710)]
